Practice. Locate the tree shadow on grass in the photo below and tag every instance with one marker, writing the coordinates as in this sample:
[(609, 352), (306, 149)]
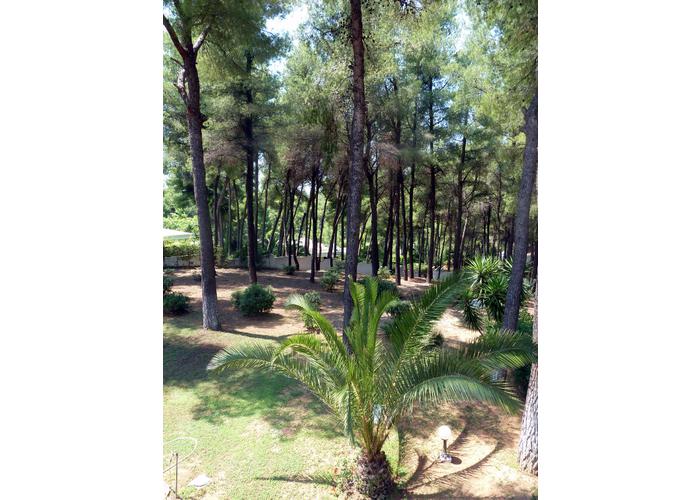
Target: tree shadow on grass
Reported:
[(282, 403)]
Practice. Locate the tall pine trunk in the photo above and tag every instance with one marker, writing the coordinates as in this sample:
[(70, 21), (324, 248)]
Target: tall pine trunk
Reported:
[(250, 180), (356, 147), (457, 257), (188, 87), (527, 448), (522, 216)]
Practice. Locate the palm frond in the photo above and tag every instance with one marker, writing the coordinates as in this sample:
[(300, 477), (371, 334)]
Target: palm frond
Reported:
[(498, 350), (448, 376), (411, 330)]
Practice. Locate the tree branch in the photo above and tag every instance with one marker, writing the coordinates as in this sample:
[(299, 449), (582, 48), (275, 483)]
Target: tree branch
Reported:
[(200, 39), (180, 85), (174, 38)]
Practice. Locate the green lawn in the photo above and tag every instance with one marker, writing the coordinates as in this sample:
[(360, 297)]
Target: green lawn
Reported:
[(259, 435)]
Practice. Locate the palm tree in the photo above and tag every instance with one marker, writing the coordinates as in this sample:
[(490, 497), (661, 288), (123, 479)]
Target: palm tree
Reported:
[(381, 378)]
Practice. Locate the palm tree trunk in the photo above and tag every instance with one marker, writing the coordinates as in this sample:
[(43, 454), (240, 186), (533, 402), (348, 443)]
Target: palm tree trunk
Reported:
[(374, 477)]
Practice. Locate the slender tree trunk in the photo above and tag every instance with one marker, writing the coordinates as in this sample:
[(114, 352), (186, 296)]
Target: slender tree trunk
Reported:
[(356, 147), (264, 225), (256, 190), (404, 244), (320, 239), (457, 258), (290, 226), (431, 192), (373, 243), (274, 227), (229, 248), (522, 216), (527, 448), (397, 222), (343, 244), (188, 86), (412, 186), (389, 236), (250, 180), (314, 214)]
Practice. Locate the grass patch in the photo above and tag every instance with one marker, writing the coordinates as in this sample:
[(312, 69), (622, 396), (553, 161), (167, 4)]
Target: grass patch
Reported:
[(259, 434)]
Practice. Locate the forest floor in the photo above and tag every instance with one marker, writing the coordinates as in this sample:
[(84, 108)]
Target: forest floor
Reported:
[(260, 435)]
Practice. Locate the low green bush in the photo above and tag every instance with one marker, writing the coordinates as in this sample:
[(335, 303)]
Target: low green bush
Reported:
[(289, 269), (383, 273), (175, 303), (167, 284), (383, 286), (398, 307), (330, 279), (314, 299), (339, 265), (185, 249), (255, 299)]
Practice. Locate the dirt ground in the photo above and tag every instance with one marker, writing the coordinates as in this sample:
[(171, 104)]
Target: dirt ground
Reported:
[(485, 438)]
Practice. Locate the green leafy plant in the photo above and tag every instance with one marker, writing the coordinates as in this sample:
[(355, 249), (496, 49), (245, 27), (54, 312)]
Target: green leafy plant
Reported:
[(398, 307), (290, 270), (330, 279), (374, 382), (175, 303), (255, 299), (383, 273), (493, 295), (167, 284), (313, 301), (188, 249), (384, 286)]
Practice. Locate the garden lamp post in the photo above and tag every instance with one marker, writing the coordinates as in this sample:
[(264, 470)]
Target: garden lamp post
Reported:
[(444, 433)]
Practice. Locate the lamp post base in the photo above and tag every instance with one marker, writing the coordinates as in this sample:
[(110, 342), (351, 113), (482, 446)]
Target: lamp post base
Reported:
[(444, 457)]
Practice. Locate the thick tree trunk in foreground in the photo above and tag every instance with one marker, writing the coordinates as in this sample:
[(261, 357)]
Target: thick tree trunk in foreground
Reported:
[(356, 147), (527, 448), (522, 216), (188, 87)]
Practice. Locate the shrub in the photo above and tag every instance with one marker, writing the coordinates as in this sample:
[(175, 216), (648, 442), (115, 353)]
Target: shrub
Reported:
[(175, 303), (329, 279), (181, 249), (289, 270), (220, 256), (254, 300), (383, 273), (339, 265), (398, 307), (383, 286), (314, 299), (167, 284), (388, 286)]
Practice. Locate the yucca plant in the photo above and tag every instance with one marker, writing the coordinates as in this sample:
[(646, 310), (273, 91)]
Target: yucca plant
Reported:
[(379, 378), (482, 268), (493, 296)]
